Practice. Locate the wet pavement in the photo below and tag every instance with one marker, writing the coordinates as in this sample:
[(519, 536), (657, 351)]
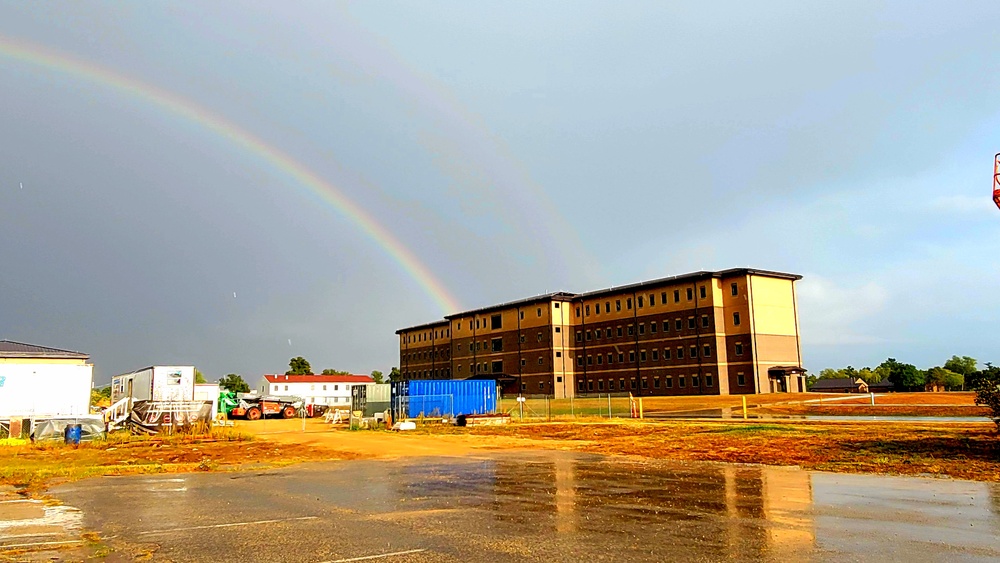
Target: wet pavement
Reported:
[(532, 506)]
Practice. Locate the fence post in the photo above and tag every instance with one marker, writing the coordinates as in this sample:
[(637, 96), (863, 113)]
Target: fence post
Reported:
[(572, 411), (873, 399), (548, 409), (609, 406), (640, 408)]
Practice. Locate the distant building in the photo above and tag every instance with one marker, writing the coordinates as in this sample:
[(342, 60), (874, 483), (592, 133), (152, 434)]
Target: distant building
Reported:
[(839, 385), (705, 333), (333, 390), (884, 386), (38, 381)]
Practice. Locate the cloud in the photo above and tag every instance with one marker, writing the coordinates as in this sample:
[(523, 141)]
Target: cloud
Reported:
[(833, 314), (963, 205)]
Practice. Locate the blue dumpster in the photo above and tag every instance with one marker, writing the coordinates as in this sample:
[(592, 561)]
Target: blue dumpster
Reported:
[(73, 433)]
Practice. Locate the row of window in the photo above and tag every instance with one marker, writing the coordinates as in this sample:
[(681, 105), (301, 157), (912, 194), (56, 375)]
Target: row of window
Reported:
[(641, 300), (655, 354), (667, 381), (312, 387), (496, 321), (428, 335), (654, 327), (496, 366), (443, 373)]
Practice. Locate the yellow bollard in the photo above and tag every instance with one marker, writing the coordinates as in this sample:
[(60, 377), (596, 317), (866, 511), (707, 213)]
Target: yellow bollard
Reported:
[(640, 408), (744, 407)]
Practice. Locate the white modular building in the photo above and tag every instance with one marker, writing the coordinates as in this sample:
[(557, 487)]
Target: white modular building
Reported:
[(331, 390), (155, 383), (38, 381)]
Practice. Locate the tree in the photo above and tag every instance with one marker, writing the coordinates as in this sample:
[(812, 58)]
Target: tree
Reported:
[(299, 366), (377, 376), (963, 365), (830, 373), (903, 376), (945, 378), (987, 387), (234, 383), (330, 371), (199, 377), (100, 397), (394, 374)]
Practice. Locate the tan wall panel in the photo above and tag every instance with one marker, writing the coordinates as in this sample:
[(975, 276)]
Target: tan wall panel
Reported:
[(773, 306)]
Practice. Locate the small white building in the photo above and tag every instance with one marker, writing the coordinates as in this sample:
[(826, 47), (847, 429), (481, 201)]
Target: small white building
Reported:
[(332, 390), (155, 383), (37, 381)]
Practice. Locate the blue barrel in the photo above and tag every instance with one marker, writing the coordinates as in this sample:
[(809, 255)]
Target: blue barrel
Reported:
[(73, 433)]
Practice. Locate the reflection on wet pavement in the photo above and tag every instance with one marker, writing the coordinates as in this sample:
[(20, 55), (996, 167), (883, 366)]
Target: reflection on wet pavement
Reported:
[(554, 506)]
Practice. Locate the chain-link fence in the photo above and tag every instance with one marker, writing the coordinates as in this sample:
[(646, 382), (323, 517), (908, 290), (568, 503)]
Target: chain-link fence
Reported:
[(546, 407)]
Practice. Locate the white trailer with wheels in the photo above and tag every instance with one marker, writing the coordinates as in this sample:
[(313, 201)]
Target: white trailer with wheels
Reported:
[(38, 381), (155, 383)]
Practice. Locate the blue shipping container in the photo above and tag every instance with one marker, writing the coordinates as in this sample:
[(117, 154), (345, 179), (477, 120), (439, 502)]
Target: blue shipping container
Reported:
[(411, 399)]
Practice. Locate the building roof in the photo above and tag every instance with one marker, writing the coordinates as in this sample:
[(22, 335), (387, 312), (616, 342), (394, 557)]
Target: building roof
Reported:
[(834, 383), (316, 378), (11, 349), (567, 296), (884, 384)]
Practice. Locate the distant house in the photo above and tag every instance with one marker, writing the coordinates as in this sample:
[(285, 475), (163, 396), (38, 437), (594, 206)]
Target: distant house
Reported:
[(934, 387), (884, 386), (330, 390), (839, 385), (38, 381)]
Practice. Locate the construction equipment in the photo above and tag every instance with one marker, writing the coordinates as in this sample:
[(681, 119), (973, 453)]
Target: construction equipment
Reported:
[(253, 408)]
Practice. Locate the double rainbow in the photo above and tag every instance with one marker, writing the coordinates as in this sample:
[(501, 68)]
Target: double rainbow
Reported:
[(282, 161)]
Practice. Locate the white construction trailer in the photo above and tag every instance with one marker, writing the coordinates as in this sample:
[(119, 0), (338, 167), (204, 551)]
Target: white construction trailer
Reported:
[(41, 382), (155, 383)]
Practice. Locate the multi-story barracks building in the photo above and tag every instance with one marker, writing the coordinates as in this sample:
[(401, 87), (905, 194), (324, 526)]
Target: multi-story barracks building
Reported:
[(706, 333)]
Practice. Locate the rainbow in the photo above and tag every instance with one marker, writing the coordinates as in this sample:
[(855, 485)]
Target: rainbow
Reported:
[(187, 109)]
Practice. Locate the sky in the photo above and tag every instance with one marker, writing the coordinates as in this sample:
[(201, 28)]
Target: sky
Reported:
[(232, 184)]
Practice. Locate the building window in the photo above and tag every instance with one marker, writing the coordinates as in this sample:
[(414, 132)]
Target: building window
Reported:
[(558, 329), (631, 330), (539, 313), (496, 322), (628, 303), (645, 383), (577, 312), (736, 319), (704, 321), (611, 358), (656, 382), (477, 323), (656, 355), (497, 366), (600, 359), (640, 300), (459, 368), (642, 328), (702, 293), (670, 382), (618, 304), (694, 381), (524, 363), (286, 388), (579, 385), (633, 384), (600, 385), (706, 351), (619, 332), (734, 289), (611, 385), (590, 360), (557, 306), (597, 308), (607, 306), (541, 385), (541, 360), (522, 339), (631, 356), (694, 352), (539, 336), (590, 386), (708, 380), (275, 389), (324, 387), (663, 298), (497, 344), (741, 380), (739, 348), (681, 381), (590, 335), (666, 353), (579, 336), (652, 327), (652, 299), (666, 326), (588, 310), (642, 355), (690, 323), (677, 296), (678, 325), (621, 357), (598, 333), (680, 353)]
